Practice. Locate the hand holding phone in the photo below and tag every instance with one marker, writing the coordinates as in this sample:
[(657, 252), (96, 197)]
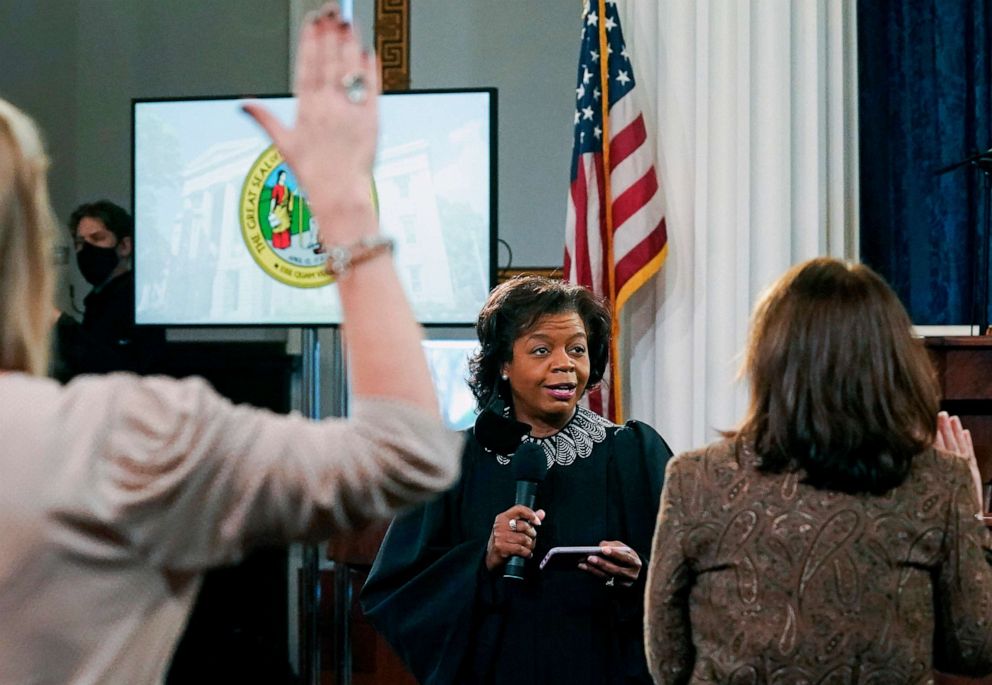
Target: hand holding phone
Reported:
[(570, 557), (611, 560)]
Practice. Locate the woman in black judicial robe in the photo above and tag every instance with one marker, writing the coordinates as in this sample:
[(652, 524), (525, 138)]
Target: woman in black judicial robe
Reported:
[(437, 591)]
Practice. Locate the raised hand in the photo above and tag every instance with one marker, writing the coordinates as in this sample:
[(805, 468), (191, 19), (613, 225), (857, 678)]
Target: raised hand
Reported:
[(331, 146), (953, 437)]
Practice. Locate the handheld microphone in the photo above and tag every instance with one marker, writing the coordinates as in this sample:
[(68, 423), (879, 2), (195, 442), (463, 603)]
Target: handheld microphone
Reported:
[(530, 466)]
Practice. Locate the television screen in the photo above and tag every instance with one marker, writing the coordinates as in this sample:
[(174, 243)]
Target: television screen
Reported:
[(224, 235), (448, 362)]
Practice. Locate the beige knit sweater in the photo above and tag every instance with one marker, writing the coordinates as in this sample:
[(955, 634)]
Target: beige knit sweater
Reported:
[(117, 492)]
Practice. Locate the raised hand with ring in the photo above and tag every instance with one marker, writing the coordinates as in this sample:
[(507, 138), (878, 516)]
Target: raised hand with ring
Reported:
[(336, 128), (356, 89)]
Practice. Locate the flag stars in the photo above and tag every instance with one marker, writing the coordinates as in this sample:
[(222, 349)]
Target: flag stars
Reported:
[(577, 117), (595, 55), (592, 19), (623, 78), (586, 75), (598, 132), (580, 92), (610, 24), (624, 53), (595, 93), (587, 112)]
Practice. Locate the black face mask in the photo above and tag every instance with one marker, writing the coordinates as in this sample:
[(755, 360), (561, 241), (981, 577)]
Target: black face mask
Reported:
[(97, 263)]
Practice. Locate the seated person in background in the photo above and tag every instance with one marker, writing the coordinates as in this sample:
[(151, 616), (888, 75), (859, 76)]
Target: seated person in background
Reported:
[(107, 340), (826, 539), (117, 492), (437, 590)]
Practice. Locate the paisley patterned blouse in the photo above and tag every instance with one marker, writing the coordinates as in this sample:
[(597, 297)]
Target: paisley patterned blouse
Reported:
[(760, 578)]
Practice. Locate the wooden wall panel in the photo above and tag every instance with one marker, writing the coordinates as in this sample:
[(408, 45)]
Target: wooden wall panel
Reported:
[(392, 42)]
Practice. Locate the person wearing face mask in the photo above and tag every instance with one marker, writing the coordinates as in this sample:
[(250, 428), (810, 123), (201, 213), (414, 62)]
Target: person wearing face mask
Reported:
[(107, 339)]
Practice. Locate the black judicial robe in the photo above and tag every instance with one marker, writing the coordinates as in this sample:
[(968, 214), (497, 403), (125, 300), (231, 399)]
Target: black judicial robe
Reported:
[(453, 621)]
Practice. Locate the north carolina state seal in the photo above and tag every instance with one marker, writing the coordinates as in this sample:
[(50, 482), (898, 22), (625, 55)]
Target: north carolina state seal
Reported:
[(277, 224)]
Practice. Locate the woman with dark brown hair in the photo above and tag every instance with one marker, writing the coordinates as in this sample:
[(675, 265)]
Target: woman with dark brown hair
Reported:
[(439, 590), (825, 540)]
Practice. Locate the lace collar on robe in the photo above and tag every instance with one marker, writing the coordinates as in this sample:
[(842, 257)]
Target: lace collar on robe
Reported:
[(574, 441)]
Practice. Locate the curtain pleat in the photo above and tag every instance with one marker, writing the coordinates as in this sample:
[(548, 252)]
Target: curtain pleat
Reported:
[(755, 126)]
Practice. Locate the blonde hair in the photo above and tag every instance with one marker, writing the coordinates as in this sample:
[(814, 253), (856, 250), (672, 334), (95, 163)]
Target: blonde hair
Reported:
[(26, 229)]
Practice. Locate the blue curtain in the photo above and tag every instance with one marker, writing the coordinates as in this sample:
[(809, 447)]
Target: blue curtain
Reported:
[(925, 100)]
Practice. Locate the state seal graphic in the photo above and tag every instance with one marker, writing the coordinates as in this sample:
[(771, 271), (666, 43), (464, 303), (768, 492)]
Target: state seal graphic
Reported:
[(277, 225)]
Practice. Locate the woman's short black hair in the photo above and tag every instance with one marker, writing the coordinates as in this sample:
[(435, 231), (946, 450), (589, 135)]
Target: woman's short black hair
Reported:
[(513, 308)]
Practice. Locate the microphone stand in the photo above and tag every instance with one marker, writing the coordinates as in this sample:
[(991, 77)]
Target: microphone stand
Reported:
[(982, 161), (309, 645), (310, 572)]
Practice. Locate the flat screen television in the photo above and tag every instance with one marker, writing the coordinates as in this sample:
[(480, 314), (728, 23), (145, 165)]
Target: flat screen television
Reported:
[(224, 236), (448, 363)]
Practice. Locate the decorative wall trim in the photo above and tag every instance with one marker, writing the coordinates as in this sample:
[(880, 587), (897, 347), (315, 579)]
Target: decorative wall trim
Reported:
[(546, 271), (392, 42)]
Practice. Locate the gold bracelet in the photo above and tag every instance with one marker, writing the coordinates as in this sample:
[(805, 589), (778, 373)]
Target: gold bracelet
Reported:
[(341, 258)]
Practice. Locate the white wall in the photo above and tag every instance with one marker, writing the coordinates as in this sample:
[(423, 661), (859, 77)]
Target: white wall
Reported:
[(38, 55), (150, 48), (75, 66), (529, 50)]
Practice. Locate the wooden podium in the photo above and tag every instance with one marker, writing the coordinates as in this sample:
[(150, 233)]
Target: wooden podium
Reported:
[(964, 371), (370, 660)]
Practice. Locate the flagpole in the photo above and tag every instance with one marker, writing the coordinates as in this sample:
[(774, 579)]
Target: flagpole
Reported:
[(604, 78)]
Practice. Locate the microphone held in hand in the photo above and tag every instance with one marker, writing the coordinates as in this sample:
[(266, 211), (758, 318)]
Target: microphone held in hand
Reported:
[(530, 466)]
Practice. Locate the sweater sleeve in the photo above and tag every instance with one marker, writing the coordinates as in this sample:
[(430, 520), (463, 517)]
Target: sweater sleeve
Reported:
[(667, 629), (188, 480), (963, 583)]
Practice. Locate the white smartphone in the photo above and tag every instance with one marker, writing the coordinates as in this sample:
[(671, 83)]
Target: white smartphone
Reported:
[(564, 557)]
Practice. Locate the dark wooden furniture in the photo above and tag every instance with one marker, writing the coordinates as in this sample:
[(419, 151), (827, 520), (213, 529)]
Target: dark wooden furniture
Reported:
[(964, 370), (372, 661), (237, 631)]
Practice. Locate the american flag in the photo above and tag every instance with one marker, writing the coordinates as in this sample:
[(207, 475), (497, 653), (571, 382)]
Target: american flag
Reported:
[(615, 237)]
